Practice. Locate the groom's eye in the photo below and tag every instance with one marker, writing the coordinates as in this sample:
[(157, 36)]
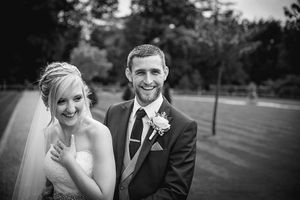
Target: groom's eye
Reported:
[(156, 72)]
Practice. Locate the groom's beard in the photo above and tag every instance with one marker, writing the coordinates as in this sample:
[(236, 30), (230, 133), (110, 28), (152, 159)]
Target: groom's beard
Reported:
[(146, 99)]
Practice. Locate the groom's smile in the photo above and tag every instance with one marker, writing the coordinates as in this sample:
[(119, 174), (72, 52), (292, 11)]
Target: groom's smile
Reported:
[(148, 94), (148, 89), (147, 76)]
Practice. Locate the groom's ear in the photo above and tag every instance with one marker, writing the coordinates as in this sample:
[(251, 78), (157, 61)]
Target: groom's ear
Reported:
[(166, 72), (128, 74)]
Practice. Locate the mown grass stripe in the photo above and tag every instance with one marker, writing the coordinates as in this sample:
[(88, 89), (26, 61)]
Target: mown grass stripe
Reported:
[(238, 131), (206, 127), (255, 144), (254, 127), (207, 165), (204, 131), (222, 154), (248, 124), (248, 115), (7, 110), (6, 96), (268, 118), (222, 142), (11, 120)]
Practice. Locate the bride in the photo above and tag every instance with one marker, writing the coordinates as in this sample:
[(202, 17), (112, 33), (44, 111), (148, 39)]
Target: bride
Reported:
[(68, 154)]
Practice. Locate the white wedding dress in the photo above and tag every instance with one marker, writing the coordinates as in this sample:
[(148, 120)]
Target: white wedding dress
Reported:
[(64, 186), (35, 166)]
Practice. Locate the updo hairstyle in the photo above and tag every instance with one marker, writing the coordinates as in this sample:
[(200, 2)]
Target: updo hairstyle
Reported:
[(58, 75)]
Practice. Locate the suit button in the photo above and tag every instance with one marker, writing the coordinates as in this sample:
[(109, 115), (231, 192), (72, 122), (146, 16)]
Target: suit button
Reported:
[(122, 187)]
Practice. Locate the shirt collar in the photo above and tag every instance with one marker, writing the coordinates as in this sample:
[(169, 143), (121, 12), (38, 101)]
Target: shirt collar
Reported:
[(150, 109)]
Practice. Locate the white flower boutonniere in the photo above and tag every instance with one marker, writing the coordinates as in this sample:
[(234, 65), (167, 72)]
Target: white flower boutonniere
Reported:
[(160, 124)]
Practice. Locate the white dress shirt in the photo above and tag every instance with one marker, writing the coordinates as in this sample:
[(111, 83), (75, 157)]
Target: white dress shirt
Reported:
[(150, 110)]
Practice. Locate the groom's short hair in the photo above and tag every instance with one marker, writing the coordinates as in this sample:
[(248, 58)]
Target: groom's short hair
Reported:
[(145, 50)]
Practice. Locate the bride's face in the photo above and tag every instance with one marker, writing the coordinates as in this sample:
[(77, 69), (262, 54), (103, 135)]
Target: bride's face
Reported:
[(70, 105)]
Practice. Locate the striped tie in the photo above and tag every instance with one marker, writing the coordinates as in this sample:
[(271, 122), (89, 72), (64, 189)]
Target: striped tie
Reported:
[(136, 133)]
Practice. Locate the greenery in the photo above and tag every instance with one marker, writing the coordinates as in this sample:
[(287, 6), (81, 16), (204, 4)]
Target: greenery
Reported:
[(206, 42), (91, 61), (256, 148)]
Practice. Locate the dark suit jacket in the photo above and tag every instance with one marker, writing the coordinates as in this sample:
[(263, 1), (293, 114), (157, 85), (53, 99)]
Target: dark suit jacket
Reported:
[(165, 174)]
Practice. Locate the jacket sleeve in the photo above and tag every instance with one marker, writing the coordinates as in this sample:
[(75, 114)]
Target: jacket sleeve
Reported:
[(181, 163), (105, 122)]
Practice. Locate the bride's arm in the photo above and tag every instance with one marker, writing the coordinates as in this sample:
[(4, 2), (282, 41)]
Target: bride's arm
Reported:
[(102, 184)]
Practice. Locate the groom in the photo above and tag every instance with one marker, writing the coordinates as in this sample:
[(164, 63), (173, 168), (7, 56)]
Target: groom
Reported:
[(154, 144)]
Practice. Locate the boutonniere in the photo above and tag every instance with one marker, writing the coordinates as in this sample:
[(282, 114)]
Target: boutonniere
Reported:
[(160, 124)]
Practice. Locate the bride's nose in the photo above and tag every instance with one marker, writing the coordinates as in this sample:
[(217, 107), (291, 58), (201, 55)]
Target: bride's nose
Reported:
[(71, 107)]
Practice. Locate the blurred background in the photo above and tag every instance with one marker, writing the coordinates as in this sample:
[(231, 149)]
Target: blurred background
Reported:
[(233, 68), (199, 37)]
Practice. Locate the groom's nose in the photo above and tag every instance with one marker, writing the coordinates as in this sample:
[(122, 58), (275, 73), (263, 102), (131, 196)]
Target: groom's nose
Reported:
[(148, 78)]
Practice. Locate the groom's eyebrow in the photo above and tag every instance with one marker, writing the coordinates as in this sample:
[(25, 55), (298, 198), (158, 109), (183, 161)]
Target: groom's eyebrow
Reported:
[(139, 70)]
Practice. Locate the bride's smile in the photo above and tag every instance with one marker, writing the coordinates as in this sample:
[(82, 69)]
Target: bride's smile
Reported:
[(70, 104)]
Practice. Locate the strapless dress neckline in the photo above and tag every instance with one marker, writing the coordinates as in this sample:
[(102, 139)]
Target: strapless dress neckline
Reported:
[(59, 176)]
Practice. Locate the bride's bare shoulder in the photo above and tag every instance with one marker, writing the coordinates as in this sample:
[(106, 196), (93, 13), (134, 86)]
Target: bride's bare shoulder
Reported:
[(96, 129)]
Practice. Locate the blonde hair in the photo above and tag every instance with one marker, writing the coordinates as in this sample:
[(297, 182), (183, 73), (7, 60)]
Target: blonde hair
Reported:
[(58, 76)]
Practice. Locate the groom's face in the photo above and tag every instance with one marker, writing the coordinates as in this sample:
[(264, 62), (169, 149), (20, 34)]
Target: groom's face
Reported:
[(147, 76)]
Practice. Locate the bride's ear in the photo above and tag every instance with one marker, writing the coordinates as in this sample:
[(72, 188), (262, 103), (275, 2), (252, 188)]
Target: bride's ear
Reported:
[(128, 74)]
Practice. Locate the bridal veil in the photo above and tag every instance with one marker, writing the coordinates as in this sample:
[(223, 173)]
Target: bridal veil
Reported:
[(31, 177)]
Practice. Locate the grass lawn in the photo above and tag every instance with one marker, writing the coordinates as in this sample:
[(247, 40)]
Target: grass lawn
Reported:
[(253, 156), (12, 151), (8, 101)]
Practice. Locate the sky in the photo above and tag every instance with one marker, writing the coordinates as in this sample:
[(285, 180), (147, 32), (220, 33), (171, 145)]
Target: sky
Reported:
[(251, 9)]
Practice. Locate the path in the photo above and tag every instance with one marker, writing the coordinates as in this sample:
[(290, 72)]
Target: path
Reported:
[(13, 142)]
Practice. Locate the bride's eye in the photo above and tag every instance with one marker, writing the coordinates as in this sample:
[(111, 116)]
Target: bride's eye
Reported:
[(77, 98), (60, 101)]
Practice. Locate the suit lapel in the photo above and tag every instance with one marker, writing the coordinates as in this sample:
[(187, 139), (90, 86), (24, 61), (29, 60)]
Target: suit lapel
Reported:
[(121, 136), (165, 107)]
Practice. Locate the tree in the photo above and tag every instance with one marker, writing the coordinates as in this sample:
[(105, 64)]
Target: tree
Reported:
[(293, 15), (263, 63), (112, 38), (156, 15), (91, 62), (53, 29), (221, 32), (289, 55)]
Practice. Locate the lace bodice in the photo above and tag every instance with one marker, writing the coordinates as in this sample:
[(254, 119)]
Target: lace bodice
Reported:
[(60, 177)]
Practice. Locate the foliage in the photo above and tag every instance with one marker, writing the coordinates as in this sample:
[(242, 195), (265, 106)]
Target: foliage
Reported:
[(199, 37), (38, 32), (289, 86), (111, 38), (90, 61), (293, 15), (263, 63)]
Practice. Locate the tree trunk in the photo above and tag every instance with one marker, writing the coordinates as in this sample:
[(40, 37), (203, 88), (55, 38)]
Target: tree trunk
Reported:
[(216, 99)]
